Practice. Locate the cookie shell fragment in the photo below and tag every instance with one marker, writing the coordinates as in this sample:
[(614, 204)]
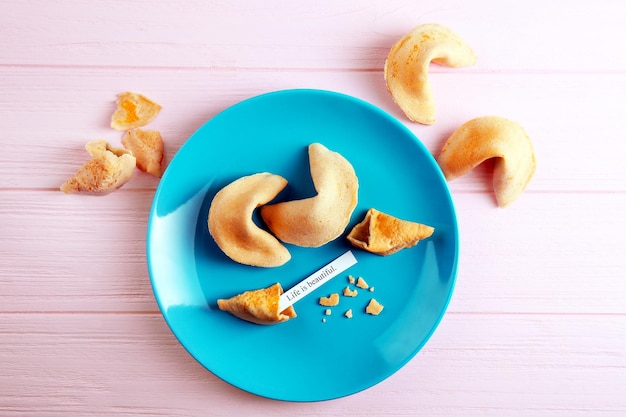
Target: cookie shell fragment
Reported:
[(258, 306), (133, 110), (330, 301), (108, 170), (374, 307), (347, 292), (383, 234), (147, 146), (361, 283)]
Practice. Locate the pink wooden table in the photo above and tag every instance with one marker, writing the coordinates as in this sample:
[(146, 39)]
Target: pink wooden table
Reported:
[(537, 323)]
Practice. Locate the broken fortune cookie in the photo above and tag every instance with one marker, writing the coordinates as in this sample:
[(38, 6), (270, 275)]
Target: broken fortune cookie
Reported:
[(133, 110), (109, 169), (147, 146), (258, 306), (384, 234)]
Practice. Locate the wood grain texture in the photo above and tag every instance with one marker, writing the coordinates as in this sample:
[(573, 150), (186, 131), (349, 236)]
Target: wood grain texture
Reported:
[(534, 35), (530, 364), (537, 322), (567, 128), (71, 253)]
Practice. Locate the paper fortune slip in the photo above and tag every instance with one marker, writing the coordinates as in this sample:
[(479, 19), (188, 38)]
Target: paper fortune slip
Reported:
[(316, 279)]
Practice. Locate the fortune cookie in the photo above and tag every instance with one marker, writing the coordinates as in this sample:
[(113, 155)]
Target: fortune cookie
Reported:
[(231, 225), (314, 221), (258, 306), (406, 67), (491, 137)]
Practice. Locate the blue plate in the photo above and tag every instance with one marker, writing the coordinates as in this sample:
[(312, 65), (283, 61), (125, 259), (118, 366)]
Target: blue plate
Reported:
[(306, 358)]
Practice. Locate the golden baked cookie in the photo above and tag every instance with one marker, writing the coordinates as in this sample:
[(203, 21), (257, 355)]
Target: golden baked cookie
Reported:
[(384, 234), (133, 110), (231, 225), (258, 306), (109, 169), (408, 61), (147, 147), (489, 137), (314, 221)]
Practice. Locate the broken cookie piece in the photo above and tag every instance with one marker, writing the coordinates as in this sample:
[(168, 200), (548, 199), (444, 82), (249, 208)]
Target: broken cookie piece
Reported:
[(361, 283), (133, 110), (347, 292), (384, 234), (374, 307), (109, 169), (258, 306), (330, 301), (147, 147)]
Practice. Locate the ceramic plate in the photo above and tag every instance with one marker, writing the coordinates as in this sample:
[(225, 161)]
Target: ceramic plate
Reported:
[(314, 356)]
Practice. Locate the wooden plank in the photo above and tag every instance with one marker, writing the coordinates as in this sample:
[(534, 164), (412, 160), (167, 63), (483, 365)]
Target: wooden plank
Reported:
[(477, 365), (65, 108), (555, 252), (73, 253), (533, 35)]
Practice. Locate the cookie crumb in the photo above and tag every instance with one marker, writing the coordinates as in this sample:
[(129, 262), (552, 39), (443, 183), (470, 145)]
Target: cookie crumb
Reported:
[(350, 279), (361, 283), (348, 314), (374, 307), (347, 292), (328, 312), (330, 301), (371, 289)]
